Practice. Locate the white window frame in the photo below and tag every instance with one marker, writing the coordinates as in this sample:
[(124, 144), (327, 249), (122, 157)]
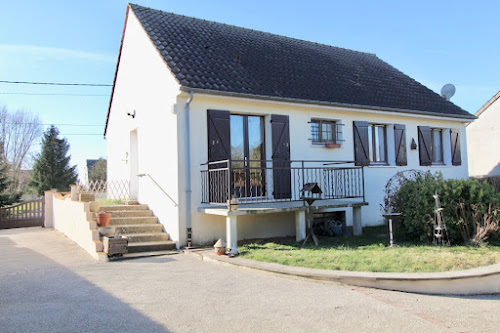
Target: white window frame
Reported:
[(372, 142), (433, 145)]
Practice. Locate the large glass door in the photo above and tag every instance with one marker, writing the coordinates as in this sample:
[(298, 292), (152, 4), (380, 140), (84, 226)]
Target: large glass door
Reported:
[(247, 155)]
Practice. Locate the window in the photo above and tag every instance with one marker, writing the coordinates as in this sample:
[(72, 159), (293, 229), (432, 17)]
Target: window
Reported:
[(324, 131), (377, 143), (430, 146), (437, 145)]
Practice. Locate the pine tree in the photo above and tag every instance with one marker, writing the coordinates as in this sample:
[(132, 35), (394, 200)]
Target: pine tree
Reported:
[(51, 168)]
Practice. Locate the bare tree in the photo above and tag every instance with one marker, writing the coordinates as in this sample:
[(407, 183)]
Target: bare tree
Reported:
[(18, 132)]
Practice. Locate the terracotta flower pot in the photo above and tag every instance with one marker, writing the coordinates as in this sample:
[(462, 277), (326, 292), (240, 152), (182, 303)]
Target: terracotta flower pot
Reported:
[(220, 247), (332, 145), (103, 218), (220, 251)]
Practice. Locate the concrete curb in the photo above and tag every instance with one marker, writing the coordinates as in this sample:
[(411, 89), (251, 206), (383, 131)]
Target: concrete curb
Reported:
[(477, 281)]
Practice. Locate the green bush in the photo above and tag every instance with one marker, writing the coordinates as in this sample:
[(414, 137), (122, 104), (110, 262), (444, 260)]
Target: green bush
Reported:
[(492, 180), (414, 199)]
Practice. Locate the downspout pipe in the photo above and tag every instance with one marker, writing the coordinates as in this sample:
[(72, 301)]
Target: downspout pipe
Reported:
[(188, 168)]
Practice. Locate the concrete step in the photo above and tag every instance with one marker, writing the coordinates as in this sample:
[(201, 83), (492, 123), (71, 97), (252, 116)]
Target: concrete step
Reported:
[(130, 213), (138, 229), (138, 255), (147, 237), (150, 246), (113, 208), (114, 221)]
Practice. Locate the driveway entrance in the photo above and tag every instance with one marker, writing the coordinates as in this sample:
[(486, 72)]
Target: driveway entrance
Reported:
[(49, 284)]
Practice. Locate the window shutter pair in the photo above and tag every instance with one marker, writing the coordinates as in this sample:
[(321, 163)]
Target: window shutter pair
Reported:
[(425, 146), (362, 149), (219, 148)]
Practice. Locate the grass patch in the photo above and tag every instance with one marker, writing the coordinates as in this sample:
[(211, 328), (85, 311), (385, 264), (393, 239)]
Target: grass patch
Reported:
[(371, 253), (110, 202)]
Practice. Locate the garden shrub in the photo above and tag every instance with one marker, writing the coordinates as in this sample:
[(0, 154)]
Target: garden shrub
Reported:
[(414, 199), (492, 180)]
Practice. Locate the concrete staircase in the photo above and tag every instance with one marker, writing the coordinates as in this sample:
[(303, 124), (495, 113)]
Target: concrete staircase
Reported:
[(138, 223)]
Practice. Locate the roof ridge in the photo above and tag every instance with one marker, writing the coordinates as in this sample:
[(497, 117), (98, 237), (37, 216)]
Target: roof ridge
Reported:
[(487, 104), (255, 30)]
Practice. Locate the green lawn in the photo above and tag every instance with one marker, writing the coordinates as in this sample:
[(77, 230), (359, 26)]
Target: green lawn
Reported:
[(370, 252)]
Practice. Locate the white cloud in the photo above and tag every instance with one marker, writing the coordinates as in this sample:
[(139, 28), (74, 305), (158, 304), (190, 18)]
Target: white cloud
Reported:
[(55, 53)]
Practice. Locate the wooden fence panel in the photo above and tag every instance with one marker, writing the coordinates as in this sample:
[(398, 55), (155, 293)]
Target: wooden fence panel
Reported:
[(25, 214)]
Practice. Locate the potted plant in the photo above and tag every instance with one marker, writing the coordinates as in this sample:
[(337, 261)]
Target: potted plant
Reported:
[(103, 218), (94, 206)]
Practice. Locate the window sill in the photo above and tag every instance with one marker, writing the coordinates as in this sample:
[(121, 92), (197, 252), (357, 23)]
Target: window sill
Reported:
[(440, 165), (327, 145), (381, 166)]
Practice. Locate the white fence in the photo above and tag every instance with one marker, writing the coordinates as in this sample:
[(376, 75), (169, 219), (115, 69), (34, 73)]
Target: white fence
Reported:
[(116, 189)]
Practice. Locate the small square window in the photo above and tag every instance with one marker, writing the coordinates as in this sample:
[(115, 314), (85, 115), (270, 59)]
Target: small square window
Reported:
[(324, 131)]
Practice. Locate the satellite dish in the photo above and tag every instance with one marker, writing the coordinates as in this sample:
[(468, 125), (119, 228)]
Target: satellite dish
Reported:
[(448, 91)]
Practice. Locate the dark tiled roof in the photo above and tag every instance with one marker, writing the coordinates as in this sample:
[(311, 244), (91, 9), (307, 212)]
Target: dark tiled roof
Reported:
[(227, 59)]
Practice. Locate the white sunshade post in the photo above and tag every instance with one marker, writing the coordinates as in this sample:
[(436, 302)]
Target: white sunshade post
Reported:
[(300, 225), (232, 234)]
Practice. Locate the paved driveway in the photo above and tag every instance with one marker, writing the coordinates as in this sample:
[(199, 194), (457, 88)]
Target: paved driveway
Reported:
[(48, 284)]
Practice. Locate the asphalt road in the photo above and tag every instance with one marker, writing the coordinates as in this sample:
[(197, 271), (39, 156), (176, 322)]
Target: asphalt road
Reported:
[(49, 284)]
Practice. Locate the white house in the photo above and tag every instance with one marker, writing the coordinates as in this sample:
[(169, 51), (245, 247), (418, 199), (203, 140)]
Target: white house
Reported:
[(218, 128), (483, 137)]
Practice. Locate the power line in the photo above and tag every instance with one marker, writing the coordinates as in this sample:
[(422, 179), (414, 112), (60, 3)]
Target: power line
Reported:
[(91, 125), (59, 83), (36, 94)]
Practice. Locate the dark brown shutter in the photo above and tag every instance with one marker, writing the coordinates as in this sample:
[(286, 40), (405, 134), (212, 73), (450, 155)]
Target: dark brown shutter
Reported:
[(456, 156), (280, 130), (361, 149), (425, 145), (400, 144), (219, 148), (219, 144)]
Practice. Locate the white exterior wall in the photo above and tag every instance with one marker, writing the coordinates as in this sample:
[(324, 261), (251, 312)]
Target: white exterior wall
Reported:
[(483, 138), (73, 219), (146, 144), (145, 85), (207, 228)]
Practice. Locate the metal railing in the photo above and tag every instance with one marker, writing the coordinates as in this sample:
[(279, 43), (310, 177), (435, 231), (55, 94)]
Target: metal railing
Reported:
[(159, 187), (236, 182)]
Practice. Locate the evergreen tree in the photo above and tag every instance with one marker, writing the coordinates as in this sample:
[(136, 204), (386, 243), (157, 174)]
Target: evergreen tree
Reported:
[(98, 171), (4, 181), (51, 168)]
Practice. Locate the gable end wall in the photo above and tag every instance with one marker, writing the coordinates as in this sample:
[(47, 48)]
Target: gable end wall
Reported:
[(148, 143), (483, 137)]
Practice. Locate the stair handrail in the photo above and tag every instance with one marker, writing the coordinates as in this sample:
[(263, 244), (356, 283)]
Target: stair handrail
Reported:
[(161, 189)]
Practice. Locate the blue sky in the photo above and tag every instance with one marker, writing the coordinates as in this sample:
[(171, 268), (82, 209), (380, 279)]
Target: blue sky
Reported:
[(434, 42)]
